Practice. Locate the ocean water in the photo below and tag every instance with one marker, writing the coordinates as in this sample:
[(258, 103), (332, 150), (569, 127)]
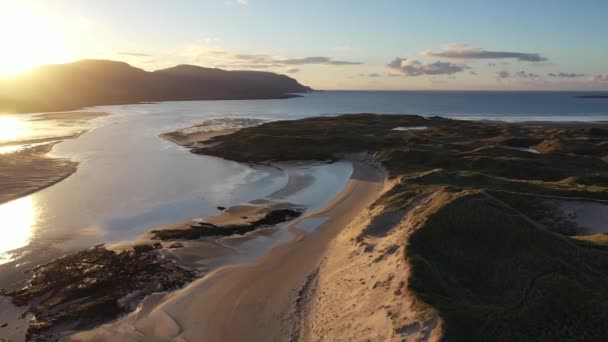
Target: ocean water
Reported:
[(129, 180), (507, 106)]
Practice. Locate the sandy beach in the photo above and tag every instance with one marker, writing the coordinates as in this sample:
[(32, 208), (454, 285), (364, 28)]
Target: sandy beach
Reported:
[(197, 135), (252, 302)]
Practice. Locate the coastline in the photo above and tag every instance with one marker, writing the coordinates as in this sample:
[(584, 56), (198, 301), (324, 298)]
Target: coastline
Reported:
[(26, 167), (230, 296), (199, 256), (295, 289)]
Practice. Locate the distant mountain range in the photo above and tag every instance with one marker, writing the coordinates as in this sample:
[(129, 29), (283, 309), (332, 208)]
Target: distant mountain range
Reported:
[(102, 82)]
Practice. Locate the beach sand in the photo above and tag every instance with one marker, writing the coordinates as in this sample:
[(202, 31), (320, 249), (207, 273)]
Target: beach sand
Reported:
[(247, 302), (29, 170), (25, 166), (196, 135), (193, 138)]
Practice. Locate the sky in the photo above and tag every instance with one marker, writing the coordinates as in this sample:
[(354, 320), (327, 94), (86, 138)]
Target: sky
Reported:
[(371, 45)]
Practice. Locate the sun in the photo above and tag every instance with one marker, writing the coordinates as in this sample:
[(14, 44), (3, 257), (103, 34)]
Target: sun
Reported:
[(27, 39)]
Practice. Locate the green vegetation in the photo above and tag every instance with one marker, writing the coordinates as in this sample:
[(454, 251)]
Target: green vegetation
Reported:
[(494, 275), (490, 252)]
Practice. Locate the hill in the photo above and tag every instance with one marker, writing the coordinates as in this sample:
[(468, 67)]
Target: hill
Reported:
[(470, 241), (101, 82)]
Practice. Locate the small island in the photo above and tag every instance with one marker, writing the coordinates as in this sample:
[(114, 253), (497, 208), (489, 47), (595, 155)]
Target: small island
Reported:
[(593, 97)]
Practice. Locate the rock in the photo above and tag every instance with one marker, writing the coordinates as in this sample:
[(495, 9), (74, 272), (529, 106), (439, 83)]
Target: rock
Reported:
[(143, 248), (176, 245), (93, 286), (208, 229), (221, 208)]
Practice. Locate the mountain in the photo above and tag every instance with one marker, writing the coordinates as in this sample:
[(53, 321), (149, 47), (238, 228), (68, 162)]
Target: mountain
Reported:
[(102, 82)]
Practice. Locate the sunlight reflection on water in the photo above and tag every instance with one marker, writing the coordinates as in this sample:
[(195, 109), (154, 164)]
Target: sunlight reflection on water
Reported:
[(18, 218), (11, 149), (11, 128)]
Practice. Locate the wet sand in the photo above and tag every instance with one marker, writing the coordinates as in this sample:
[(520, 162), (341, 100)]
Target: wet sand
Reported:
[(27, 171), (25, 166), (250, 302), (193, 138), (198, 134)]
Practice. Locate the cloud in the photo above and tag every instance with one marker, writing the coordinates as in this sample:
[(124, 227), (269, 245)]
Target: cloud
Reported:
[(293, 70), (134, 54), (372, 75), (503, 74), (225, 59), (565, 75), (242, 2), (412, 67), (316, 60), (473, 73), (524, 74), (463, 51), (601, 78)]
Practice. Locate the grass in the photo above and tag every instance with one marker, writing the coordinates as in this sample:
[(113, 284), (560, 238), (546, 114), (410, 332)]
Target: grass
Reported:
[(487, 256), (494, 275)]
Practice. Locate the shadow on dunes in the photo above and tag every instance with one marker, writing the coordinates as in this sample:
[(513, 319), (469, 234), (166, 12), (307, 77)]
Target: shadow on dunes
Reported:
[(493, 274)]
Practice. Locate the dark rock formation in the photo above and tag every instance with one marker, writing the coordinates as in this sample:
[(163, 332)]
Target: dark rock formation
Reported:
[(207, 229), (93, 286)]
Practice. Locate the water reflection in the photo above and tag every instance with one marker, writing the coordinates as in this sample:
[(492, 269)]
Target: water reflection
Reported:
[(11, 149), (18, 218), (11, 128)]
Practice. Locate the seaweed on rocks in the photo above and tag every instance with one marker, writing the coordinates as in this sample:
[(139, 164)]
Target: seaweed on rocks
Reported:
[(207, 229), (92, 287)]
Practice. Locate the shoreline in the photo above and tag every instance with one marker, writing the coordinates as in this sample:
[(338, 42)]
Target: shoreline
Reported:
[(30, 167), (209, 253), (271, 295), (291, 262)]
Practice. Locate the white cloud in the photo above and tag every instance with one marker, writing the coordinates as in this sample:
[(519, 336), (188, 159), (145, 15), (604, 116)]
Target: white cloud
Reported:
[(601, 78), (464, 51), (565, 74), (211, 55), (412, 67)]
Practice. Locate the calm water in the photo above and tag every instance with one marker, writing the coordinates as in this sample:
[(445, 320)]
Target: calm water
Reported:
[(130, 181), (512, 106)]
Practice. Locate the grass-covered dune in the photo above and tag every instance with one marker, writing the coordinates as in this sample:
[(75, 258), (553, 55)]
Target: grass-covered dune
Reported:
[(495, 275), (491, 251)]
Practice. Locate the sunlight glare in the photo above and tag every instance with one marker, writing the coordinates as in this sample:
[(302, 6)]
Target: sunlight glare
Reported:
[(27, 39), (17, 218), (11, 128)]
